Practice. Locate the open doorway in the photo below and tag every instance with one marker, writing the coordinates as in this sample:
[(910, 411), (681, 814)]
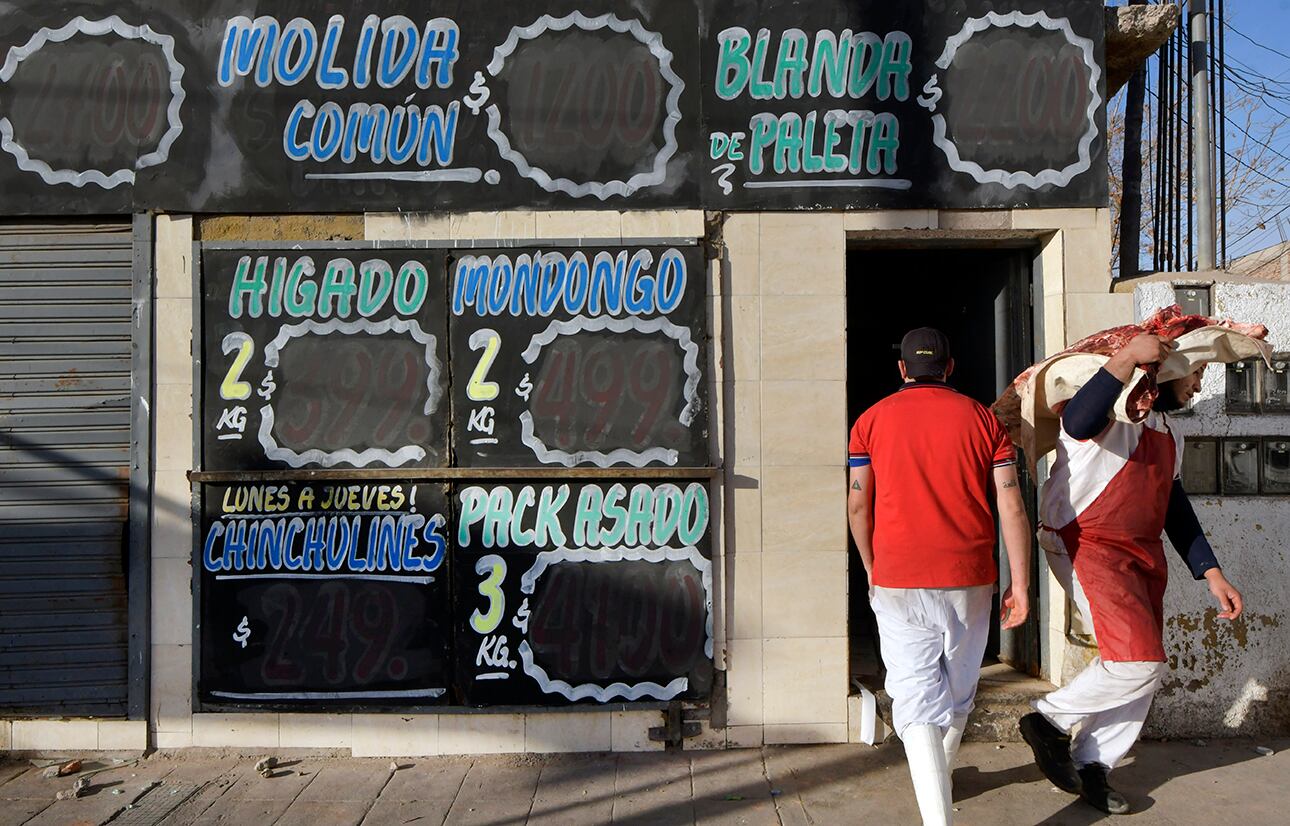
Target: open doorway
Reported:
[(980, 297)]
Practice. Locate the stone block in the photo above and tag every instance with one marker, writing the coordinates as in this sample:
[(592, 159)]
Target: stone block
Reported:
[(744, 682), (745, 499), (803, 423), (803, 337), (872, 220), (314, 731), (394, 735), (805, 681), (123, 735), (1088, 313), (174, 341), (174, 427), (481, 733), (6, 735), (243, 731), (804, 594), (565, 732), (404, 226), (745, 588), (54, 735), (170, 697), (172, 739), (661, 223), (975, 219), (742, 235), (629, 730), (1087, 257), (1054, 219), (804, 733), (744, 737), (172, 601), (173, 251), (804, 508), (803, 253), (741, 351), (743, 422), (581, 225), (172, 526)]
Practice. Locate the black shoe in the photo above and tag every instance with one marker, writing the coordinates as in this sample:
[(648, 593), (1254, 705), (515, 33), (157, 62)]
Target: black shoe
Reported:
[(1098, 793), (1052, 751)]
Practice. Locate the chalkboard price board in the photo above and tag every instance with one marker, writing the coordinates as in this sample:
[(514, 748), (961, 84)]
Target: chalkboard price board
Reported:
[(582, 593), (323, 358), (579, 357), (325, 595)]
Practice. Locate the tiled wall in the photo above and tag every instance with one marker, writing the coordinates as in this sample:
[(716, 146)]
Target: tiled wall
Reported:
[(778, 305)]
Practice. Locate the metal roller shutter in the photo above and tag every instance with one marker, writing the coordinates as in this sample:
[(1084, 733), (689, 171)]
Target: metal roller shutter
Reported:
[(65, 322)]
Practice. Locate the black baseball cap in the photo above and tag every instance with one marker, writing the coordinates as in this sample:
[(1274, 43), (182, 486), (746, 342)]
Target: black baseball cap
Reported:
[(926, 352)]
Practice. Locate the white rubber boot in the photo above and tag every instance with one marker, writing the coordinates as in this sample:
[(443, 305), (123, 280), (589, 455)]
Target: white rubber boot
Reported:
[(953, 737), (925, 751)]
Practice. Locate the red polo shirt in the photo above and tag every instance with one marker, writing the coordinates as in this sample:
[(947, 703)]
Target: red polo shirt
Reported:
[(933, 451)]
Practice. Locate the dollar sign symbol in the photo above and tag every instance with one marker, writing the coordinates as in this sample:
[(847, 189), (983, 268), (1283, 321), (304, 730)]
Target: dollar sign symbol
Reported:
[(525, 389), (480, 92), (243, 632), (267, 387)]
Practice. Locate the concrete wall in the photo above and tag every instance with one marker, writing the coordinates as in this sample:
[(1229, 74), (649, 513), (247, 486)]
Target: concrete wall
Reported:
[(1230, 677)]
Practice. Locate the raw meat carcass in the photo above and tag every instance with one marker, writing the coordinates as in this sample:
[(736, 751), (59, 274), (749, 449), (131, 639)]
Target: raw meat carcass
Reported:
[(1026, 407)]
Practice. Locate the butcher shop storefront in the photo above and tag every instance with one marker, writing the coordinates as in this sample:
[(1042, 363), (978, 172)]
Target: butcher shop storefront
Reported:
[(498, 362)]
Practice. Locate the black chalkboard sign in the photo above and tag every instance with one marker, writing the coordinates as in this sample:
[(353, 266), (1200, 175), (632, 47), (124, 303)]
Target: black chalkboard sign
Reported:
[(579, 356), (327, 595), (839, 103), (582, 593), (208, 106), (323, 358)]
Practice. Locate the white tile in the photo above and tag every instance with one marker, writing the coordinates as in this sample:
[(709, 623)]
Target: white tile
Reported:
[(55, 735), (629, 730), (804, 594), (803, 423), (803, 337), (395, 735), (744, 683), (744, 737), (743, 422), (173, 425), (1054, 218), (741, 350), (6, 735), (1087, 254), (744, 584), (170, 697), (314, 731), (800, 733), (974, 219), (805, 681), (123, 735), (252, 730), (567, 731), (742, 235), (803, 253), (708, 739), (744, 497), (481, 733), (591, 225), (172, 739), (172, 602), (1087, 313), (173, 239), (868, 220), (517, 224), (172, 525), (804, 508), (174, 341), (403, 226)]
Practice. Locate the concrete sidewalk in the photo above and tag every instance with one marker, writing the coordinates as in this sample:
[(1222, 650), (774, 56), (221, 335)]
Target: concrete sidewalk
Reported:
[(1167, 783)]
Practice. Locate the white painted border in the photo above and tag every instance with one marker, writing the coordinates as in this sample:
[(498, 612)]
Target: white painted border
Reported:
[(95, 28), (601, 189), (1011, 180), (681, 335), (405, 454), (606, 693)]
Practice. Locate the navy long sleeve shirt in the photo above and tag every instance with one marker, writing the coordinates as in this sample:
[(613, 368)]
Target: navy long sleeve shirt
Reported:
[(1086, 415)]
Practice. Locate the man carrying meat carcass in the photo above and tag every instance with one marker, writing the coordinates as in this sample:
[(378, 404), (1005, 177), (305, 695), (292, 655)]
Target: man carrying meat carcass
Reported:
[(925, 463), (1113, 489)]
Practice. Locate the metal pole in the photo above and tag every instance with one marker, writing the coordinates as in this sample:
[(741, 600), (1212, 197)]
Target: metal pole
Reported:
[(1201, 144)]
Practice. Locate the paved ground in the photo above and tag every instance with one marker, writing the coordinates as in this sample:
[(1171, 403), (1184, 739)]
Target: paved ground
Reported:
[(1224, 782)]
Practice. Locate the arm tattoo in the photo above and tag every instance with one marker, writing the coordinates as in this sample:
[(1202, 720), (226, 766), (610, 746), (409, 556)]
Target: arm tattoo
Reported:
[(1009, 484), (856, 485)]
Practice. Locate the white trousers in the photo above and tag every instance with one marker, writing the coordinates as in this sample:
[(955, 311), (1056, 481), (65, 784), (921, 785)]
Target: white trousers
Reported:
[(933, 640), (1107, 703)]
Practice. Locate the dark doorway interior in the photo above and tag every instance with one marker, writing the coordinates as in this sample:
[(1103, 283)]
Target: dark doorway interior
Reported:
[(980, 298)]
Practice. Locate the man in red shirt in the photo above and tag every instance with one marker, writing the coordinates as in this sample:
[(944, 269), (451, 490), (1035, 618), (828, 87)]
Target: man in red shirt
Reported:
[(924, 463)]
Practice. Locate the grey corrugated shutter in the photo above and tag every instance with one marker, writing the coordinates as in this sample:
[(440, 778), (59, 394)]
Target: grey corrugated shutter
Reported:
[(65, 308)]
